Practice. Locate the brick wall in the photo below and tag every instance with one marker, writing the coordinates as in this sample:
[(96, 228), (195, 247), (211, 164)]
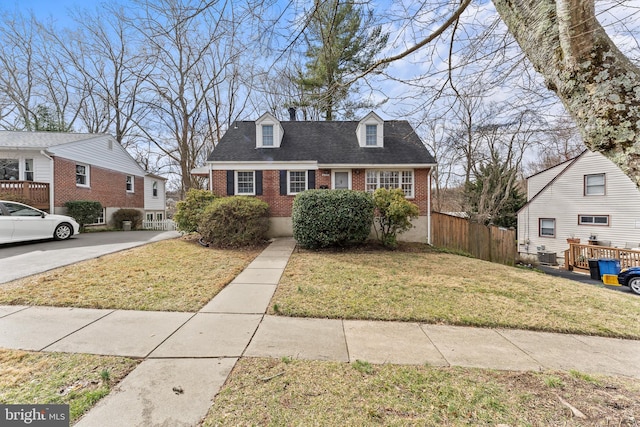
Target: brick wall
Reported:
[(280, 206), (106, 186)]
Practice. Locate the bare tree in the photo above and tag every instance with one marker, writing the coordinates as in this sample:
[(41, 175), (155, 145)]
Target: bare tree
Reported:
[(194, 49)]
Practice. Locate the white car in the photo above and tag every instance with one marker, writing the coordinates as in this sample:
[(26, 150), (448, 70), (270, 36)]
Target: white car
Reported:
[(19, 222)]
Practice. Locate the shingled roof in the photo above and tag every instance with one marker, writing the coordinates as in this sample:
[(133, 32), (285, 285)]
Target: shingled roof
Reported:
[(327, 142)]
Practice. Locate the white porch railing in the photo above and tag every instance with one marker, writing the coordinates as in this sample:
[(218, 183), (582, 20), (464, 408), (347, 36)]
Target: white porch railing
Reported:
[(163, 225)]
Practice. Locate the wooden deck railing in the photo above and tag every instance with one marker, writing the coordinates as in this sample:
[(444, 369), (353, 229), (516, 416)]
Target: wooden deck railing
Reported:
[(578, 256), (33, 193)]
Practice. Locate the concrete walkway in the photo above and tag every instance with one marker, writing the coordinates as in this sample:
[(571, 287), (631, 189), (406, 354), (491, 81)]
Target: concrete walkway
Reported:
[(195, 352)]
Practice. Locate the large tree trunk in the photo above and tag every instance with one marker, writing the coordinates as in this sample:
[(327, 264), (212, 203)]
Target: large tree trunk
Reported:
[(597, 84)]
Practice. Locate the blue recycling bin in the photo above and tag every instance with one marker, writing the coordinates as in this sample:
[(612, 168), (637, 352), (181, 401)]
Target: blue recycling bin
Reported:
[(609, 266)]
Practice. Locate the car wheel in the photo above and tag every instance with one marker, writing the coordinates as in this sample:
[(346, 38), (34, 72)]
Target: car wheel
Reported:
[(64, 231), (634, 284)]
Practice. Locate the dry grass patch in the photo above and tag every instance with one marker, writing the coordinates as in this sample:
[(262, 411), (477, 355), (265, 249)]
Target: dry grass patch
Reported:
[(434, 287), (268, 392), (79, 380), (171, 275)]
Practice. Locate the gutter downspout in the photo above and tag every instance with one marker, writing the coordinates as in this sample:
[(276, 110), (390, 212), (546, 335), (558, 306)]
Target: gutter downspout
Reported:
[(51, 184)]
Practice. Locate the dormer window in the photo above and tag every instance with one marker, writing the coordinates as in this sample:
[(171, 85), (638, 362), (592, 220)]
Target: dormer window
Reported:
[(370, 131), (371, 137), (267, 135), (269, 132)]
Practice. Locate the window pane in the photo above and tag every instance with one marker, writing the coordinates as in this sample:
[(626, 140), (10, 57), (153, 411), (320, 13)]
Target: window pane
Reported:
[(28, 169), (297, 181), (81, 174), (601, 219), (594, 184), (371, 181), (372, 135), (547, 227), (267, 135), (245, 182), (9, 169), (407, 183)]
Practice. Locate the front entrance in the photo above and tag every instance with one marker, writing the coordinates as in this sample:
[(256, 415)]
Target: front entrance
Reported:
[(341, 180)]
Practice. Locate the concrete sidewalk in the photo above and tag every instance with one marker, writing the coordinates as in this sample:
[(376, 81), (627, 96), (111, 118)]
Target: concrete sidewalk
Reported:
[(196, 351)]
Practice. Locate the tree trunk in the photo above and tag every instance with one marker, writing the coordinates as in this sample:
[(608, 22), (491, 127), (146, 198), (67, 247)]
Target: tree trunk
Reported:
[(597, 84)]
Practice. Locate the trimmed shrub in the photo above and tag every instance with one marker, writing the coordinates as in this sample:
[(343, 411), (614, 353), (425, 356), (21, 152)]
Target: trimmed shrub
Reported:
[(234, 221), (393, 215), (324, 218), (191, 208), (133, 215), (84, 211)]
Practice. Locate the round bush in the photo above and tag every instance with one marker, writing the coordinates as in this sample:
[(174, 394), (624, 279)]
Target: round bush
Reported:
[(323, 218), (234, 221), (133, 215), (188, 211)]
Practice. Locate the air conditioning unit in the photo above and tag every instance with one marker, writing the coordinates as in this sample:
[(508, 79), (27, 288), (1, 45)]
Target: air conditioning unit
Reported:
[(548, 258)]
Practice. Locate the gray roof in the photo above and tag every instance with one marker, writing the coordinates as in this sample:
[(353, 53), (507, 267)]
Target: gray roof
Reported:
[(332, 142), (42, 140)]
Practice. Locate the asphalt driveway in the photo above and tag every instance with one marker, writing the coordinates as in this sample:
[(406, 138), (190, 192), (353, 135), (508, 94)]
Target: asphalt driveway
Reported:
[(19, 260), (581, 277)]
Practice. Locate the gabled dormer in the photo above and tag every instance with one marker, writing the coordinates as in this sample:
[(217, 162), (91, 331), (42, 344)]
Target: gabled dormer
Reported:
[(269, 131), (370, 131)]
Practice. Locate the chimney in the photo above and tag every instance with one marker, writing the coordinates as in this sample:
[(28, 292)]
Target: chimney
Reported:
[(292, 114)]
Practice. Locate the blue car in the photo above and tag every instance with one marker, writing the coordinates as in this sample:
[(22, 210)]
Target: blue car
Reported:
[(630, 277)]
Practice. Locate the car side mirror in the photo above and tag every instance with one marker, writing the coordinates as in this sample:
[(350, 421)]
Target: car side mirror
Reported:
[(43, 214)]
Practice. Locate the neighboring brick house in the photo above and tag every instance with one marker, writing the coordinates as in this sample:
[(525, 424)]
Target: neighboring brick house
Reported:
[(51, 168), (275, 160)]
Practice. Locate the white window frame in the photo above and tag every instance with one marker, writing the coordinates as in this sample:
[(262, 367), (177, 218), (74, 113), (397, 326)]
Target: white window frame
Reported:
[(236, 181), (289, 181), (594, 189), (540, 228), (130, 180), (86, 175), (372, 185), (584, 220), (154, 189)]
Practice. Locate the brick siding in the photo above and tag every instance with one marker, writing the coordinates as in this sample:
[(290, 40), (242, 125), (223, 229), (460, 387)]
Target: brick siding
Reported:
[(280, 206), (106, 186)]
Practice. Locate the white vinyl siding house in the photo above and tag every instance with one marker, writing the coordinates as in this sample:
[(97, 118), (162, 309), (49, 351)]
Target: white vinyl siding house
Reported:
[(606, 207)]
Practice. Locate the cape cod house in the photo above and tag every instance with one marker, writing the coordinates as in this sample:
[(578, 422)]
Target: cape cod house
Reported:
[(275, 160), (47, 169)]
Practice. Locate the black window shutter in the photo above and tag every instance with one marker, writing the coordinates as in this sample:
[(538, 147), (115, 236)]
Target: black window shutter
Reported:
[(311, 182), (283, 183), (258, 183), (230, 183)]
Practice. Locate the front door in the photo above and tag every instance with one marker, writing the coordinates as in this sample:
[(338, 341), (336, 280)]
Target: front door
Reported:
[(341, 180)]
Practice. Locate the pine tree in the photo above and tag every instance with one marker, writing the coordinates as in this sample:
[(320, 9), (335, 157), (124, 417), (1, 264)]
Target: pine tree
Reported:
[(340, 45)]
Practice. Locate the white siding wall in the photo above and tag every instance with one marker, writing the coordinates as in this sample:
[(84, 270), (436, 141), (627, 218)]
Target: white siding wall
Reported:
[(538, 181), (154, 203), (103, 151), (564, 200), (41, 164)]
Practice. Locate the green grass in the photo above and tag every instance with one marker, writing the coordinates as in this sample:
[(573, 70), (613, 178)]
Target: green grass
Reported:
[(59, 378), (310, 393), (431, 287), (172, 275)]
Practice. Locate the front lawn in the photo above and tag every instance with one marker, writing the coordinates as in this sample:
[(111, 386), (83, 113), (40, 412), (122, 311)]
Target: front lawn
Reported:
[(79, 380), (171, 275), (270, 392), (423, 285)]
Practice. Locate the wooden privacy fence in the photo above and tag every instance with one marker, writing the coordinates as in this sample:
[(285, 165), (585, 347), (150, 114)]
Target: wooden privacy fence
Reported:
[(490, 243)]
